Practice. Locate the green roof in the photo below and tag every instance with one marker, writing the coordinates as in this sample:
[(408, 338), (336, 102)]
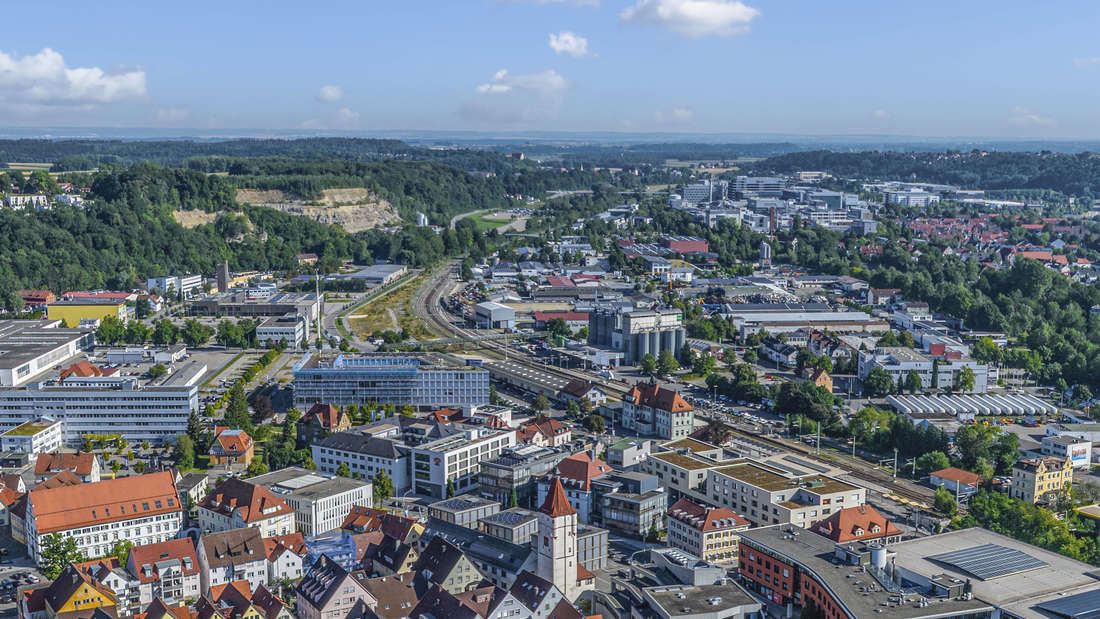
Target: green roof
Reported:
[(30, 428), (623, 443)]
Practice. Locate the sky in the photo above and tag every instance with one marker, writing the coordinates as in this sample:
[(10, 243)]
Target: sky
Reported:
[(814, 67)]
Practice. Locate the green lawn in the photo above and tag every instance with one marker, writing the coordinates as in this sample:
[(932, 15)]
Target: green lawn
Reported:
[(485, 224)]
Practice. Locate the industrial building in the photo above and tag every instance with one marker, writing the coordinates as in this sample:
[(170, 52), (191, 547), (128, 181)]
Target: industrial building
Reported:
[(492, 315), (382, 378), (637, 333), (775, 318), (72, 311), (966, 407), (381, 274), (305, 304), (30, 347)]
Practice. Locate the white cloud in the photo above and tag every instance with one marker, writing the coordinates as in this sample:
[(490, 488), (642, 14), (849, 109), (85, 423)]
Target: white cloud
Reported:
[(511, 99), (1086, 63), (675, 116), (565, 42), (347, 118), (44, 79), (880, 115), (172, 115), (692, 18), (576, 2), (330, 94), (1027, 119)]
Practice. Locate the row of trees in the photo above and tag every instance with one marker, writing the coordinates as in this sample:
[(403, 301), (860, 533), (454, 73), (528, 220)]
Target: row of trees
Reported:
[(113, 331)]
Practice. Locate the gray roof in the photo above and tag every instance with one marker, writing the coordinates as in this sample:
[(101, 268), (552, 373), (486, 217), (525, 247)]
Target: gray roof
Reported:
[(24, 340), (359, 443), (480, 547), (306, 485)]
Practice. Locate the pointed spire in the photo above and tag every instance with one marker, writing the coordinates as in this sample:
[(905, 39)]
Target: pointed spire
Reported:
[(556, 503)]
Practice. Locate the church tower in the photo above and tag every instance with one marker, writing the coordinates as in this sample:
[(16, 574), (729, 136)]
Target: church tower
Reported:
[(557, 541)]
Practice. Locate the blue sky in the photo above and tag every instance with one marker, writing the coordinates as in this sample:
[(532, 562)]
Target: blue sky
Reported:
[(828, 67)]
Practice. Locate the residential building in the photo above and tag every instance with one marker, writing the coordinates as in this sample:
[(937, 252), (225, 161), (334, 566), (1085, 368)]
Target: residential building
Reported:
[(652, 410), (143, 509), (231, 447), (579, 390), (630, 503), (229, 556), (172, 285), (708, 533), (861, 523), (765, 495), (1077, 451), (193, 487), (1037, 480), (387, 379), (36, 300), (72, 595), (168, 571), (285, 556), (320, 421), (637, 333), (365, 455), (819, 377), (465, 510), (516, 470), (34, 437), (683, 466), (442, 563), (321, 502), (328, 591), (543, 432), (497, 560), (235, 504), (959, 482), (577, 472), (239, 599), (628, 453), (778, 351), (540, 597)]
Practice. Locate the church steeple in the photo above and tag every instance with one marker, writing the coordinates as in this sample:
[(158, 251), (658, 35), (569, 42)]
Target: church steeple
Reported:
[(557, 541), (556, 503)]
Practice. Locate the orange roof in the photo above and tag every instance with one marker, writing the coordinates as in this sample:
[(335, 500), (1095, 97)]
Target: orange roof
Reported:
[(111, 500), (654, 396), (9, 496), (583, 573), (545, 426), (254, 503), (327, 414), (958, 475), (144, 559), (705, 519), (242, 586), (79, 463), (82, 368), (276, 545), (231, 442), (855, 523), (363, 519), (580, 469), (556, 503)]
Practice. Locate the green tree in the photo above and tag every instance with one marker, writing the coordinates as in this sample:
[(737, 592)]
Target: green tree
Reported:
[(964, 380), (450, 489), (687, 355), (121, 549), (383, 487), (912, 382), (255, 468), (184, 452), (703, 365), (408, 411), (110, 331), (343, 470), (666, 362), (572, 409), (557, 326), (878, 383), (750, 356), (983, 469), (195, 334), (236, 411), (139, 467), (932, 461), (595, 424), (649, 364), (513, 500), (116, 466), (541, 404), (157, 371), (944, 502), (57, 553), (165, 333)]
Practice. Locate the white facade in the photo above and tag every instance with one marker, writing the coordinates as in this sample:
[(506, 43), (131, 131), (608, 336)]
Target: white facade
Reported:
[(1077, 451), (289, 329), (171, 285), (320, 502), (329, 456), (455, 459), (277, 524), (287, 565), (557, 552), (34, 437)]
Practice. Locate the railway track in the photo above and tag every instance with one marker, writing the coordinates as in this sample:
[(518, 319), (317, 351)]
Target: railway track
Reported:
[(428, 305)]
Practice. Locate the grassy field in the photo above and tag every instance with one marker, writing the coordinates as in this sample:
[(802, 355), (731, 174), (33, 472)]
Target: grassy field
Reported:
[(486, 222), (392, 312), (28, 167)]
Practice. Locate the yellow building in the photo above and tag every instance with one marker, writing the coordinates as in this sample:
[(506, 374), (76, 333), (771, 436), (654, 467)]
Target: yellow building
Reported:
[(1035, 480), (72, 312), (72, 592)]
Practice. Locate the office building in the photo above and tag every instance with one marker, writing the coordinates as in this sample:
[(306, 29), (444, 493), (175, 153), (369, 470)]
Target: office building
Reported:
[(711, 534), (899, 361), (651, 410), (465, 510), (387, 379), (1077, 451), (637, 333), (912, 197), (31, 347), (706, 191), (306, 305), (320, 502), (105, 405), (515, 525), (365, 456), (452, 461), (630, 503), (34, 437), (766, 495), (288, 330), (515, 470), (173, 285), (492, 315), (143, 509), (759, 185)]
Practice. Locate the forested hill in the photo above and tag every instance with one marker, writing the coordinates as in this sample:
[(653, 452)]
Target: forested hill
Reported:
[(68, 155), (1077, 174)]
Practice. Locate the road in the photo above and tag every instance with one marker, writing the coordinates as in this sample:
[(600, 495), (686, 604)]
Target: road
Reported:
[(461, 216)]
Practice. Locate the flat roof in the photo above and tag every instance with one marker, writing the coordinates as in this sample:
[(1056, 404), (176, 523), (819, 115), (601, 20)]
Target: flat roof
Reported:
[(30, 428), (761, 477), (303, 484), (25, 340), (1019, 593), (528, 373), (702, 600), (690, 463)]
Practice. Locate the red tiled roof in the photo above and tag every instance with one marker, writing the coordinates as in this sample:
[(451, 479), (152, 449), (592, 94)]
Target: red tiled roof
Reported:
[(82, 368), (654, 396), (64, 478), (276, 545), (549, 428), (151, 554), (958, 475), (558, 280), (79, 463), (112, 500), (364, 519), (583, 573), (556, 503), (705, 519), (9, 496), (580, 469), (328, 415), (231, 442), (249, 499), (855, 523), (242, 586)]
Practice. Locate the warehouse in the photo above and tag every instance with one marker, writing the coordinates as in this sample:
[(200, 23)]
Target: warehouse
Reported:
[(492, 315), (30, 347), (381, 274), (968, 406)]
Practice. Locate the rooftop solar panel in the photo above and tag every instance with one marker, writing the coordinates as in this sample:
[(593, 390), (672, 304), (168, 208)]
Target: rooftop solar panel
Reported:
[(990, 561), (1081, 606)]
